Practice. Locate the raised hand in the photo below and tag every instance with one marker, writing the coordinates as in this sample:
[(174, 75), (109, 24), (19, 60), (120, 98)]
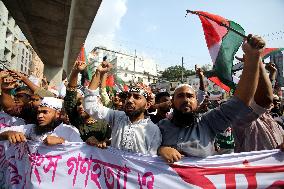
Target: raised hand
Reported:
[(9, 83), (253, 48), (4, 74), (17, 75), (271, 67), (104, 67), (79, 66), (199, 71)]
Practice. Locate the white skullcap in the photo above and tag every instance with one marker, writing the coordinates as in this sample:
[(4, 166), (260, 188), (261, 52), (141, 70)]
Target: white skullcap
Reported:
[(51, 102), (184, 85)]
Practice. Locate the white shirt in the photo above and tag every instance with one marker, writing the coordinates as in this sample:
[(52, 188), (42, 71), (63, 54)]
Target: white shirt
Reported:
[(142, 136), (68, 132), (7, 120)]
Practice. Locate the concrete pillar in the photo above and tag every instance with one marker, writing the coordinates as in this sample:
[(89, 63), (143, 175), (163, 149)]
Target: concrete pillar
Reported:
[(53, 74), (68, 40)]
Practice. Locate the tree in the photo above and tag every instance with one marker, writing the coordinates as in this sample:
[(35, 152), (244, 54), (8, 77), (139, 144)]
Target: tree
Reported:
[(206, 67), (174, 73)]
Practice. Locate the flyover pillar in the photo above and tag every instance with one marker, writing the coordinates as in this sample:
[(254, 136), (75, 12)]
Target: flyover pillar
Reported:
[(53, 74)]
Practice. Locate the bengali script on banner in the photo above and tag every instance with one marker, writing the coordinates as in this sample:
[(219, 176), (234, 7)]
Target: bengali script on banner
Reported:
[(77, 165)]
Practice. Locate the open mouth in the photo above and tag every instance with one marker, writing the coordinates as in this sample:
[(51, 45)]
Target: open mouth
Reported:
[(129, 107)]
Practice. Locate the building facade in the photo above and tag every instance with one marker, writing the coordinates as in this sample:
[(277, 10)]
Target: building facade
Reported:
[(15, 53), (9, 35), (37, 66), (129, 68), (24, 57)]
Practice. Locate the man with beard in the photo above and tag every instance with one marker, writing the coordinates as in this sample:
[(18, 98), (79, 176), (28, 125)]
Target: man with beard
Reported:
[(48, 128), (93, 132), (29, 111), (163, 106), (131, 130), (190, 135)]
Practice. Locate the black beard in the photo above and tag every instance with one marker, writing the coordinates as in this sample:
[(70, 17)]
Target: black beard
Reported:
[(181, 119), (135, 113), (40, 130)]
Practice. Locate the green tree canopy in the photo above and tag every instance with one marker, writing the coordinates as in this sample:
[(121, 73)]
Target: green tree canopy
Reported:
[(174, 73)]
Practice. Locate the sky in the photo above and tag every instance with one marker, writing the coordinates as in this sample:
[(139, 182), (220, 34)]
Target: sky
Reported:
[(159, 29)]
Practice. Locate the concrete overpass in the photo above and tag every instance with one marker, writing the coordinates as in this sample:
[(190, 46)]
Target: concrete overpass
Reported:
[(56, 29)]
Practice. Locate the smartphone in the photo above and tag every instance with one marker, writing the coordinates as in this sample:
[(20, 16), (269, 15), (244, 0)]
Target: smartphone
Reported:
[(104, 58)]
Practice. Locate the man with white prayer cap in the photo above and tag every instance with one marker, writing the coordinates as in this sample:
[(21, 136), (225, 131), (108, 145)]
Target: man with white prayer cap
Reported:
[(48, 129)]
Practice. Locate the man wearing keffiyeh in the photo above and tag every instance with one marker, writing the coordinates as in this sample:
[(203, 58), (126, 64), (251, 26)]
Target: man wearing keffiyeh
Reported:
[(131, 129)]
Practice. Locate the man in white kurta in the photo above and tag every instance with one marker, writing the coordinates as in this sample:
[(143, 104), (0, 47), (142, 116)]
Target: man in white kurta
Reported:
[(131, 130), (49, 129)]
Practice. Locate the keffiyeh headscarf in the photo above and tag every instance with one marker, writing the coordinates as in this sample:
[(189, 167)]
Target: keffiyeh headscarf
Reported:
[(142, 89)]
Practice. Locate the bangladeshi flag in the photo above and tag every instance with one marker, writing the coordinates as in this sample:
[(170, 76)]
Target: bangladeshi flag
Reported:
[(223, 45), (270, 51)]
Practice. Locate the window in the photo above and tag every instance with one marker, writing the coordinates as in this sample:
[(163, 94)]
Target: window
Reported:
[(26, 54), (25, 69), (22, 59), (22, 67), (23, 52), (125, 74)]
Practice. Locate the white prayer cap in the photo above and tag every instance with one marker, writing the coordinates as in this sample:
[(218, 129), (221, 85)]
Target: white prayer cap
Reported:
[(51, 102), (183, 85)]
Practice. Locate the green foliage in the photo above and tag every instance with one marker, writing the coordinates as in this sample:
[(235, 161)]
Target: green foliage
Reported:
[(174, 73)]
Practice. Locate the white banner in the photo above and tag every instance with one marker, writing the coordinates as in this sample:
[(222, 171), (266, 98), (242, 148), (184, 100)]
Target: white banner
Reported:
[(77, 165)]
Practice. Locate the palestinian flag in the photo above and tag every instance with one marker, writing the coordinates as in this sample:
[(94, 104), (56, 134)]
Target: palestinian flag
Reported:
[(223, 45), (110, 81), (113, 81), (270, 51)]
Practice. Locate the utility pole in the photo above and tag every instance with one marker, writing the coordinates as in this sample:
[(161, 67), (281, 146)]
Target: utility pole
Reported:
[(181, 69), (134, 66)]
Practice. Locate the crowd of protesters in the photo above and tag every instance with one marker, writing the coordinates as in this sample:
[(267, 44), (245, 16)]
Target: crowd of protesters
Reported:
[(138, 121)]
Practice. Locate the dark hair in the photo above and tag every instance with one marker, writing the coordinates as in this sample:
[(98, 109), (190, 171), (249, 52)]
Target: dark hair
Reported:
[(160, 95), (22, 88), (123, 95)]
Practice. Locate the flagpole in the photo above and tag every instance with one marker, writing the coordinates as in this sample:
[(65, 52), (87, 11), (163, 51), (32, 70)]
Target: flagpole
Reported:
[(221, 24)]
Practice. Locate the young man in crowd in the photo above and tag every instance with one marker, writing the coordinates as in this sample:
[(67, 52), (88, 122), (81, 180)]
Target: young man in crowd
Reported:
[(48, 129), (94, 132), (187, 134), (131, 130), (163, 106)]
